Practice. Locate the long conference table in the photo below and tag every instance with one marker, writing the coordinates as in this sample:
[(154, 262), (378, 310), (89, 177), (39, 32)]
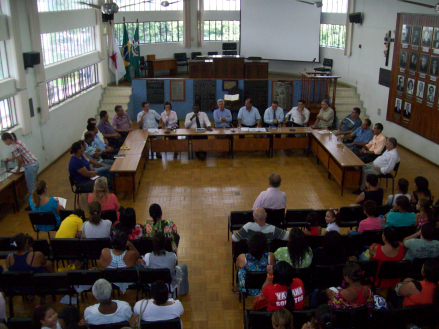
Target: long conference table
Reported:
[(339, 160)]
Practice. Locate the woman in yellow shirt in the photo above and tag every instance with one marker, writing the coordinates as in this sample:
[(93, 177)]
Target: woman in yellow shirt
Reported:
[(71, 226)]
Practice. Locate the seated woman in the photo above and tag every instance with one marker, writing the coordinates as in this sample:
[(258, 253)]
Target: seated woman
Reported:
[(297, 253), (80, 169), (257, 259), (401, 214), (165, 226), (332, 251), (96, 227), (71, 226), (160, 307), (127, 224), (40, 202), (45, 317), (401, 189), (282, 319), (102, 168), (102, 195), (281, 289), (356, 295), (69, 318), (373, 192), (119, 257), (24, 258), (421, 190), (108, 310)]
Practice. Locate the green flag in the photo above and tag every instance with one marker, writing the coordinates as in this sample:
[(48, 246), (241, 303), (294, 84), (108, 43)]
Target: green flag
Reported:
[(135, 51), (126, 52)]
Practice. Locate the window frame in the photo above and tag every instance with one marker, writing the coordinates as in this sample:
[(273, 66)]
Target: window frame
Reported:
[(118, 31), (12, 112), (337, 4), (221, 39), (342, 30)]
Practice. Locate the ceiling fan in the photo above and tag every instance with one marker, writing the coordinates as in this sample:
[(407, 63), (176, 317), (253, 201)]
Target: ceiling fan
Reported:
[(436, 7), (107, 7), (317, 3), (163, 3)]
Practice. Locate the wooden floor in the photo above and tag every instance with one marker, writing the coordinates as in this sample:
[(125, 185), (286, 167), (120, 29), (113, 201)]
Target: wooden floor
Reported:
[(198, 196)]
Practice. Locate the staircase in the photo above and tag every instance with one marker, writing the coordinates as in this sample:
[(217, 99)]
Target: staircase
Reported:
[(112, 96), (346, 99)]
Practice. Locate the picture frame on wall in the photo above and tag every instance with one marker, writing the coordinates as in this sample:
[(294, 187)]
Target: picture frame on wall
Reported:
[(423, 63), (398, 105), (435, 43), (400, 84), (229, 84), (427, 33), (420, 89), (413, 65), (434, 65), (407, 110), (406, 33), (177, 90), (410, 86), (431, 93), (416, 36), (403, 59)]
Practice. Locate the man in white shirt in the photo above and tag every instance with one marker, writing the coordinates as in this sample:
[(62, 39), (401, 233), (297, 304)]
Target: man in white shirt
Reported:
[(272, 198), (149, 119), (299, 115), (197, 119), (383, 164)]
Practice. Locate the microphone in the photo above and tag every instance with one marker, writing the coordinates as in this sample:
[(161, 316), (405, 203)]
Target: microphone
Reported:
[(233, 128)]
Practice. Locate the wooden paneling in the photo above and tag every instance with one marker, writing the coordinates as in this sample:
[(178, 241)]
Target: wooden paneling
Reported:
[(251, 144), (290, 143), (256, 70), (200, 69), (214, 145), (323, 156), (170, 145), (228, 67), (162, 64)]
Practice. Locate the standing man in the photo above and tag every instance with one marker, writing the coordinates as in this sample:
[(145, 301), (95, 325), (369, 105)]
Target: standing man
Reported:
[(274, 115), (222, 116), (349, 124), (362, 135), (121, 121), (272, 198), (248, 116), (107, 130), (197, 119), (375, 147), (325, 118), (299, 115), (149, 119)]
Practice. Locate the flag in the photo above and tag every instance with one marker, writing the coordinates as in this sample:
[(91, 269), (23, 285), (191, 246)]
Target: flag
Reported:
[(115, 58), (126, 52), (135, 52)]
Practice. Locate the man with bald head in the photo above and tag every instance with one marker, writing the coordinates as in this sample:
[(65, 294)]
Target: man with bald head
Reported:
[(272, 198), (259, 225)]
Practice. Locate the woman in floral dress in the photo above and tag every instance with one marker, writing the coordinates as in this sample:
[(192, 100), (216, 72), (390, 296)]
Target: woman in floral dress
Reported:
[(165, 226)]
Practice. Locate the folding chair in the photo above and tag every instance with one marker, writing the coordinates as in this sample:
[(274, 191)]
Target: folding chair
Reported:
[(238, 219), (296, 217), (258, 320), (327, 66), (328, 276), (122, 275), (147, 276), (83, 278), (16, 284), (253, 280), (43, 218), (63, 214), (20, 323), (351, 216), (276, 217), (371, 237), (110, 215), (353, 244), (91, 249), (65, 249), (43, 246), (52, 284), (77, 191), (390, 176), (168, 324), (238, 248), (301, 317), (354, 318)]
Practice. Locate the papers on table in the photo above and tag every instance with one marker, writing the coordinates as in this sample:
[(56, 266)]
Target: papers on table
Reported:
[(231, 98), (262, 130), (153, 130), (62, 202), (245, 129)]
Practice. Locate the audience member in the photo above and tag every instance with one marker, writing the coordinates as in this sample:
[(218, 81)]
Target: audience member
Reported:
[(71, 226), (93, 151), (107, 310), (332, 251), (332, 220), (425, 215), (169, 117), (107, 152), (259, 225), (257, 259), (107, 200), (402, 189), (92, 121), (96, 227), (272, 198), (248, 115), (349, 124), (160, 307), (356, 295), (372, 192), (325, 118), (299, 115), (24, 258), (45, 317), (127, 224), (121, 121), (69, 318), (119, 257), (102, 168), (361, 137), (282, 319), (274, 115), (422, 191), (40, 202), (281, 289), (79, 168), (375, 147), (422, 244), (107, 130), (158, 224), (297, 253), (401, 214), (382, 165), (372, 222), (312, 227), (323, 319)]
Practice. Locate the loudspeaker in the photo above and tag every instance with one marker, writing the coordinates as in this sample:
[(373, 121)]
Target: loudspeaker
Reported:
[(31, 58), (356, 18), (107, 17)]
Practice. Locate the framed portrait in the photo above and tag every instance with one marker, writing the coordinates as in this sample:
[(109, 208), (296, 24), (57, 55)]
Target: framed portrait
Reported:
[(229, 84), (410, 86), (427, 33), (398, 105), (423, 63), (400, 83), (413, 64), (406, 32), (177, 90), (434, 65), (431, 93), (420, 89), (436, 38), (407, 110), (416, 36), (403, 59)]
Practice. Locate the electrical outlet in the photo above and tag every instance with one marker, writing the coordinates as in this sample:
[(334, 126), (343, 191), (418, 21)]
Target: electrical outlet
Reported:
[(379, 112)]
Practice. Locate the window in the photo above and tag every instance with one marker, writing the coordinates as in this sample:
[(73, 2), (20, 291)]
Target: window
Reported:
[(58, 46), (136, 5), (8, 115), (335, 6), (222, 5), (69, 85), (58, 5), (221, 30), (152, 32), (332, 36), (3, 62)]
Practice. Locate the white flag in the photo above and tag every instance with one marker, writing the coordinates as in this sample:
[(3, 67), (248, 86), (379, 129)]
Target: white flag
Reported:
[(115, 61)]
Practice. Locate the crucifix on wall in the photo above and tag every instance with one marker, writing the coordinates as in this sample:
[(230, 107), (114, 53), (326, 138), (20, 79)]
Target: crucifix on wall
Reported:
[(387, 40)]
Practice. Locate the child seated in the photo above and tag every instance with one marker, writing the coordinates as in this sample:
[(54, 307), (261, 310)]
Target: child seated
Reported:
[(312, 227)]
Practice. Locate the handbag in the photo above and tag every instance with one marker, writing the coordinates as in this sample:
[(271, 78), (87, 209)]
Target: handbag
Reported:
[(259, 302), (142, 310)]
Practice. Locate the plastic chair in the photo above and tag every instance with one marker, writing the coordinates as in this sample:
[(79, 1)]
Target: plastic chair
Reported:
[(122, 275), (321, 214), (351, 216), (148, 276), (65, 249), (296, 217), (390, 176), (43, 218), (194, 54), (305, 274), (382, 210), (354, 318), (393, 270), (327, 66), (238, 219), (182, 60), (92, 248), (16, 284), (404, 231), (276, 217), (52, 284), (253, 280), (168, 324)]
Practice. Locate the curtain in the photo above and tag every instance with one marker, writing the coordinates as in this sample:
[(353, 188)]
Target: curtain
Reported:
[(200, 23), (186, 23), (349, 29)]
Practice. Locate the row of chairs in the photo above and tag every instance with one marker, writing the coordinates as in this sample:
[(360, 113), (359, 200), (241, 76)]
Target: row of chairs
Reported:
[(43, 284), (421, 315)]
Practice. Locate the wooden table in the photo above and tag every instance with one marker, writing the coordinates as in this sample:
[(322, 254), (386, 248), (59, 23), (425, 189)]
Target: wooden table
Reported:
[(256, 69), (137, 135), (13, 189), (162, 64), (340, 161), (201, 69)]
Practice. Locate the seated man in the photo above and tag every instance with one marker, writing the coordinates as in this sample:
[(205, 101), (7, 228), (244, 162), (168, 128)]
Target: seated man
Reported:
[(349, 124), (107, 152), (93, 151), (107, 130), (248, 116), (149, 119), (272, 198), (299, 115), (422, 244), (325, 118), (259, 225), (274, 115), (101, 137), (121, 121), (197, 119), (363, 135), (383, 164), (222, 116), (375, 147)]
